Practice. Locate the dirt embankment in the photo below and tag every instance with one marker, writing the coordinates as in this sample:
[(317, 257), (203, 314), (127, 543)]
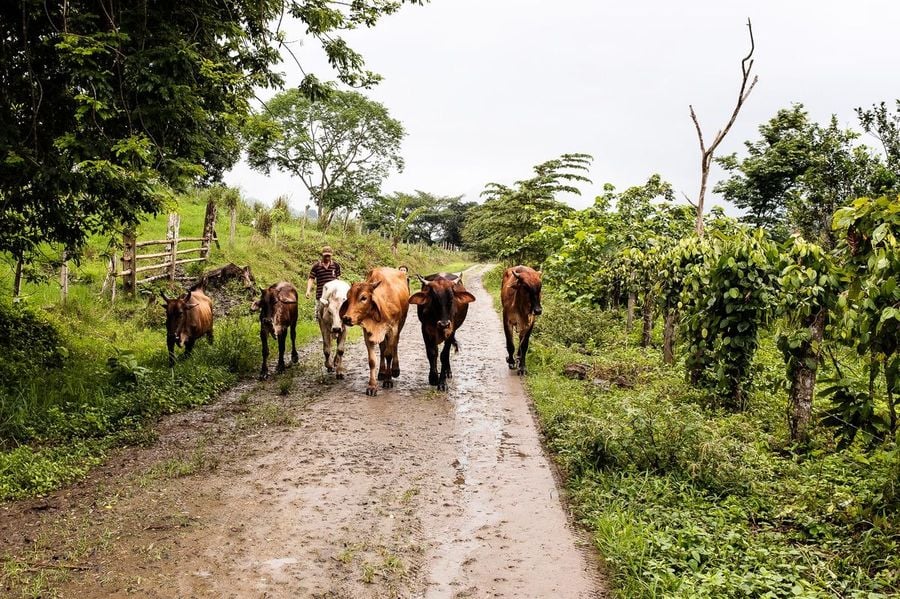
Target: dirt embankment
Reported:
[(323, 492)]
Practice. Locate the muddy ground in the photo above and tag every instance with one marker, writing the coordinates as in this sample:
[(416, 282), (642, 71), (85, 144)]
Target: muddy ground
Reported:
[(321, 492)]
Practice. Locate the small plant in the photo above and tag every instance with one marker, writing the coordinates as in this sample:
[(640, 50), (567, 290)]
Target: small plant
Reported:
[(285, 385), (125, 370)]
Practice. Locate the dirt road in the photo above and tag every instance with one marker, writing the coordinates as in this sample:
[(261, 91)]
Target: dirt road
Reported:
[(328, 493)]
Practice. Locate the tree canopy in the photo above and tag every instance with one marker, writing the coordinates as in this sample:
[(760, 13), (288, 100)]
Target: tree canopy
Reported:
[(105, 105), (341, 146)]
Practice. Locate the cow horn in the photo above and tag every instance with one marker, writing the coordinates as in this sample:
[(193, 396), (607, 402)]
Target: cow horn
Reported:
[(187, 296), (286, 301), (376, 284), (516, 275), (163, 294), (422, 279)]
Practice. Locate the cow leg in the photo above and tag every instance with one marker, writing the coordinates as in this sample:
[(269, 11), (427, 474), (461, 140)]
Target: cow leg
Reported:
[(339, 356), (295, 357), (170, 344), (372, 388), (510, 348), (431, 350), (445, 366), (282, 338), (451, 341), (386, 359), (395, 357), (188, 348), (209, 337), (264, 370), (383, 371), (523, 348), (325, 330)]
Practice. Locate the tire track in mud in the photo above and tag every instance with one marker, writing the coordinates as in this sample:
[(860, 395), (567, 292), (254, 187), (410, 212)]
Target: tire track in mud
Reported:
[(412, 493)]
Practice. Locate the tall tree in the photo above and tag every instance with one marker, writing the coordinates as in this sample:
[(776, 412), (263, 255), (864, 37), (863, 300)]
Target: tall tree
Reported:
[(798, 173), (395, 215), (498, 227), (341, 146), (102, 104)]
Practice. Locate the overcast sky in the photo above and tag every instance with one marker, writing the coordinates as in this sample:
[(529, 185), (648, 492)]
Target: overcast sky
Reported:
[(488, 88)]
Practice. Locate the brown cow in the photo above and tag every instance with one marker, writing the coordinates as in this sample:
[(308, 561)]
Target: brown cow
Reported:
[(188, 318), (442, 305), (520, 294), (380, 305), (277, 307)]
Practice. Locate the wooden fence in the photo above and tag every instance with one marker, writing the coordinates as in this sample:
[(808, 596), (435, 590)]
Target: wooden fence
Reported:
[(167, 254)]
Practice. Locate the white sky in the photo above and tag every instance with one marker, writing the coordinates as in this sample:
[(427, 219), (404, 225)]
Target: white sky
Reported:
[(488, 88)]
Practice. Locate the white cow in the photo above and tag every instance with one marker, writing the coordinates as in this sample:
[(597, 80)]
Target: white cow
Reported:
[(334, 294)]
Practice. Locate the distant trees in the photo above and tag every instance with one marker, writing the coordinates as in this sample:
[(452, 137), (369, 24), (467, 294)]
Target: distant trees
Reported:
[(501, 225), (341, 147), (418, 217)]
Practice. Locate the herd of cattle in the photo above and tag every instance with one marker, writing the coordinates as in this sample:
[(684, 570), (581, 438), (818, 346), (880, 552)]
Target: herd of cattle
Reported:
[(379, 305)]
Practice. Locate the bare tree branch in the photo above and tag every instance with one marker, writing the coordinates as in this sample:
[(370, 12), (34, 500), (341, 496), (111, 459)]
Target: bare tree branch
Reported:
[(706, 153)]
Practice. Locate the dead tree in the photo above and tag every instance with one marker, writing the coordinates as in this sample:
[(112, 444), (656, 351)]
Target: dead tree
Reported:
[(706, 152)]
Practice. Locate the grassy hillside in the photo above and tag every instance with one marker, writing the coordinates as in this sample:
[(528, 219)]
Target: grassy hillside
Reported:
[(80, 378), (685, 499)]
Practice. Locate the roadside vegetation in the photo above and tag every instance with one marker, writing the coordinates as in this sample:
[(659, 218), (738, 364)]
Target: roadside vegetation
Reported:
[(723, 403), (81, 377)]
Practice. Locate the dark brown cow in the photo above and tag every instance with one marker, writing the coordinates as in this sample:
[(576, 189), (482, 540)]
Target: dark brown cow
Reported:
[(520, 294), (380, 305), (188, 318), (277, 307), (442, 305)]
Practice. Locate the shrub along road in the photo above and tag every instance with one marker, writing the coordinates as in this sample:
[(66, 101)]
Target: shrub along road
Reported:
[(323, 492)]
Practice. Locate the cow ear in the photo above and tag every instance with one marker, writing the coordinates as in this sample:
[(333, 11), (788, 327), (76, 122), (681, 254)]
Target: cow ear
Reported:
[(187, 296), (464, 296), (254, 307), (376, 313), (419, 299), (375, 285), (323, 300), (343, 311)]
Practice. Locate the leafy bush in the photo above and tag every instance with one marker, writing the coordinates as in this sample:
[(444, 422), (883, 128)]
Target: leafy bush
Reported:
[(28, 343)]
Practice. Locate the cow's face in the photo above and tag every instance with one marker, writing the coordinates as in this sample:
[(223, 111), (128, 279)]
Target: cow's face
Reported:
[(360, 304), (529, 284), (177, 310), (333, 298), (443, 297), (270, 306)]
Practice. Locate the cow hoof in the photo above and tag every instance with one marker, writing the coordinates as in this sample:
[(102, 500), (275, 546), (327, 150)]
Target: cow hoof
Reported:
[(449, 375), (371, 391), (381, 376), (295, 357), (279, 369), (395, 372), (263, 376), (433, 379), (522, 372), (442, 386), (329, 369), (387, 384), (512, 365), (339, 376)]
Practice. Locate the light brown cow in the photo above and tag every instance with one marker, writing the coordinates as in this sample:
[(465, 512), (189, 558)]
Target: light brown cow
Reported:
[(379, 305), (188, 318), (520, 294)]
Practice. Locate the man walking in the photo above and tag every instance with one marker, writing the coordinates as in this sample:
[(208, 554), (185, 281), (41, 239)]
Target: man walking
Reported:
[(323, 271)]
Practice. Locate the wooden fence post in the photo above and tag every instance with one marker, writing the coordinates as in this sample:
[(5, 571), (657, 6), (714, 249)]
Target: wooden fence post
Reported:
[(129, 264), (64, 276), (172, 236), (17, 282), (209, 229)]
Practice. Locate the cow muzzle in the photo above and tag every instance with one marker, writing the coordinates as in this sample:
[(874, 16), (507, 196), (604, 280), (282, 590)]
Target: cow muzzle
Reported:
[(336, 331), (347, 321), (538, 311), (444, 324)]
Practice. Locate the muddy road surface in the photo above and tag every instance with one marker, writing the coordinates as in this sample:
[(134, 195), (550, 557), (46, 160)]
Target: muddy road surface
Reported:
[(322, 492)]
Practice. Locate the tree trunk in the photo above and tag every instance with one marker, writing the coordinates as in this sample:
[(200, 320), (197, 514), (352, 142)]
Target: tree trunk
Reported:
[(647, 312), (669, 338), (803, 385), (629, 318), (890, 378), (64, 277)]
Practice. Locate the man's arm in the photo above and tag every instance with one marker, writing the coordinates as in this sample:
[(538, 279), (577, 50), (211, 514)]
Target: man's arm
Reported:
[(337, 270), (309, 285)]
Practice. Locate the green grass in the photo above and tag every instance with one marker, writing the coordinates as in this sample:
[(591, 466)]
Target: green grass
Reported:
[(688, 500), (80, 378)]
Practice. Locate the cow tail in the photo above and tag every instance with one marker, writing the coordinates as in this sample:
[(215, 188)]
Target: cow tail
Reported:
[(455, 344)]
